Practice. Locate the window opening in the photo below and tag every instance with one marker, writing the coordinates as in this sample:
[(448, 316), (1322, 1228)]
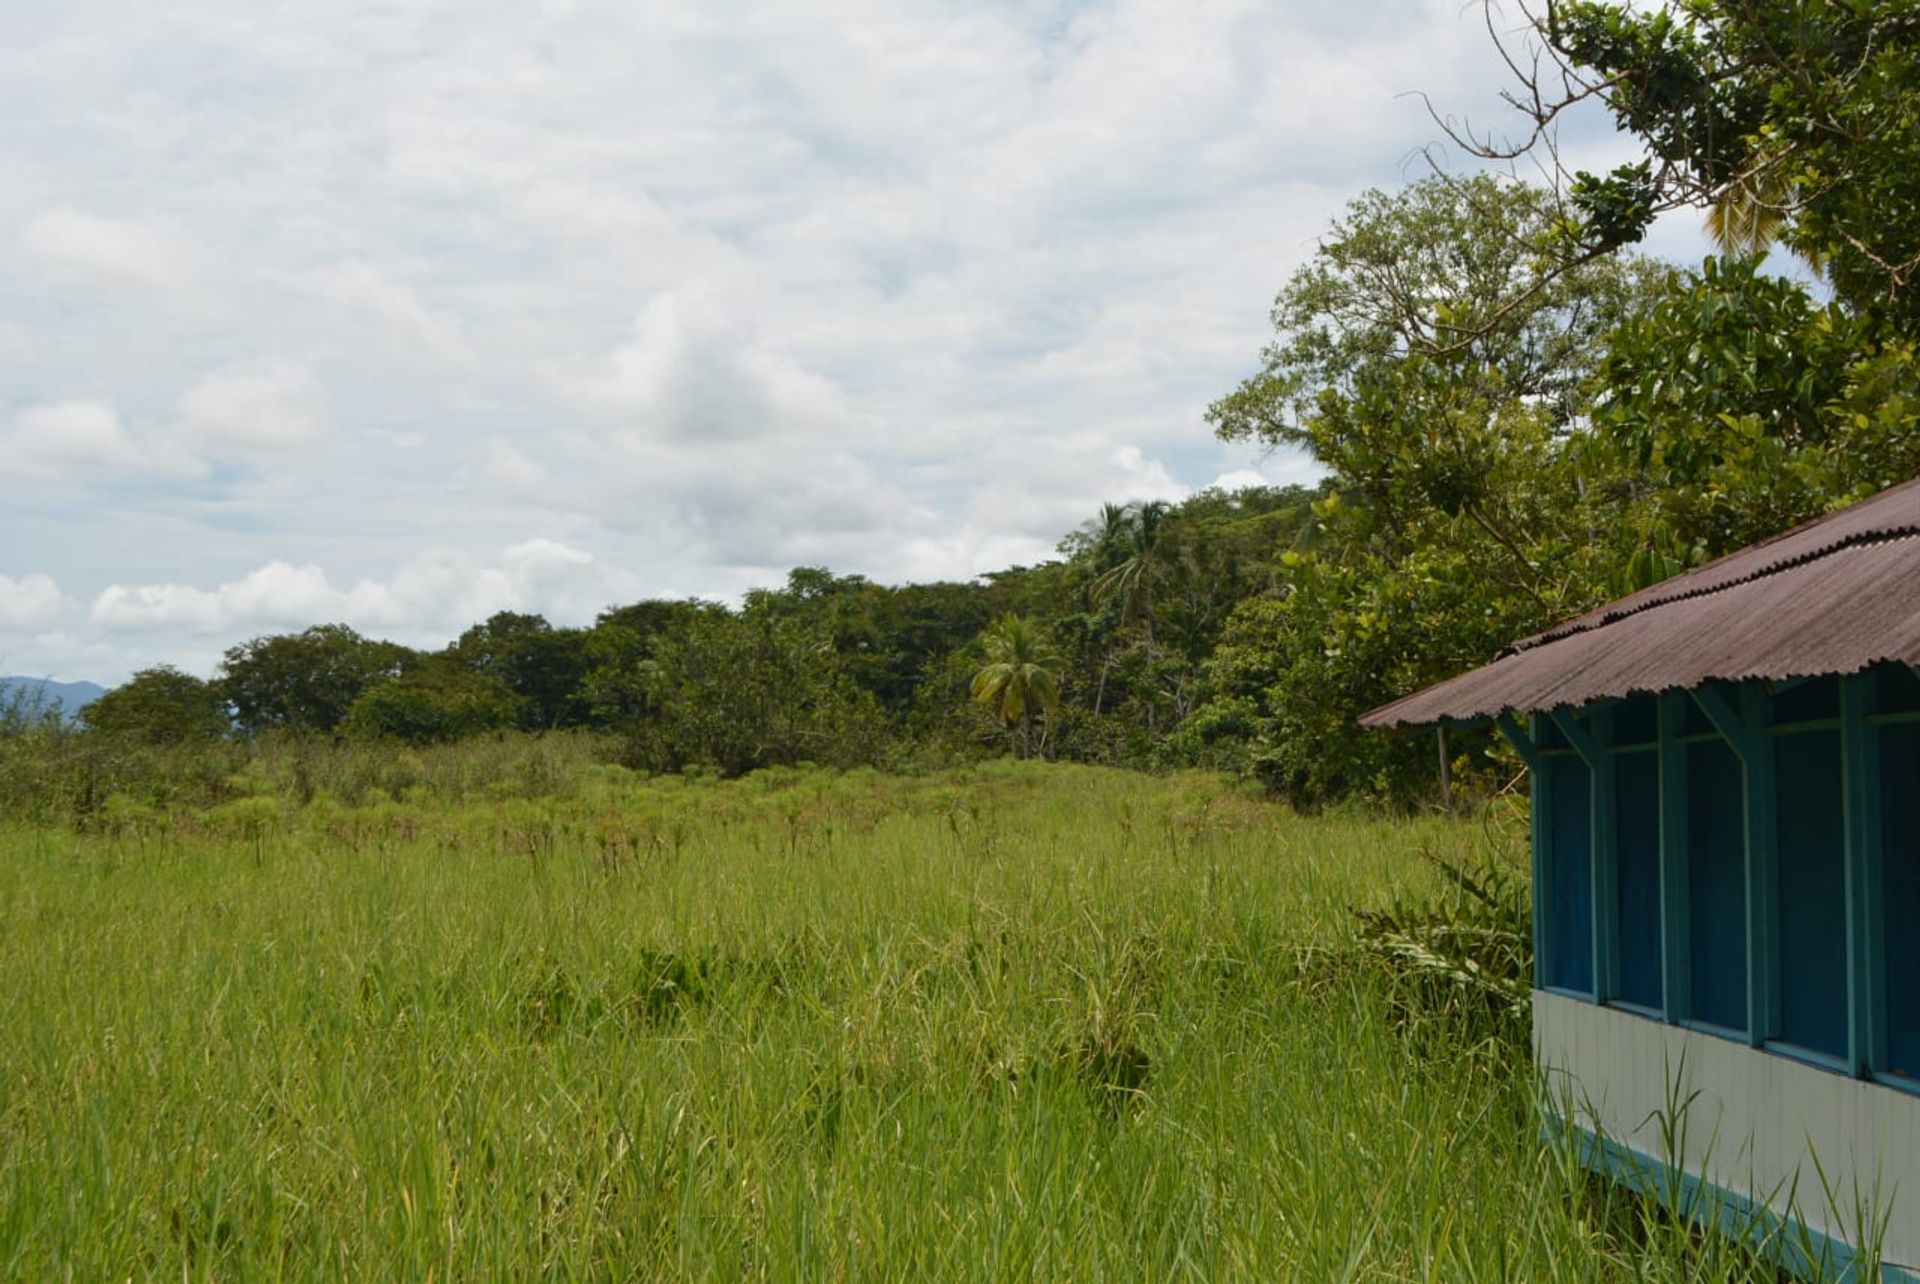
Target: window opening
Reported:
[(1637, 878), (1569, 870), (1716, 885), (1811, 901)]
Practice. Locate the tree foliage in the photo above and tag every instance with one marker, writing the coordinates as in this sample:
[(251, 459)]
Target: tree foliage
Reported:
[(1450, 403), (1796, 118), (542, 666), (1740, 404), (305, 681), (436, 700), (158, 706), (1737, 407), (736, 691)]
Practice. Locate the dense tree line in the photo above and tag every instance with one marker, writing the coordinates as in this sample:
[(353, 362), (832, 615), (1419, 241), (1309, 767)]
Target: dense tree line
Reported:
[(1101, 653), (1516, 414)]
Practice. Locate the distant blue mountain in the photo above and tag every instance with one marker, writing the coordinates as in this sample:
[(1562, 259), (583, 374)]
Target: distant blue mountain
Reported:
[(73, 696)]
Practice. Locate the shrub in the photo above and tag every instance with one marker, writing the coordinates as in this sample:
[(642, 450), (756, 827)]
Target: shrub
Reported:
[(160, 706), (1461, 964), (439, 700)]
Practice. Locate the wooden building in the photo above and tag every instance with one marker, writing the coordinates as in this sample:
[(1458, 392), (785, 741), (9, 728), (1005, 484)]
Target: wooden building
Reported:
[(1726, 869)]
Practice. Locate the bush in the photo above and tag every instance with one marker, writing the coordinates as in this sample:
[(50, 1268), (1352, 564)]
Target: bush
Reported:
[(1461, 965), (437, 701), (160, 706)]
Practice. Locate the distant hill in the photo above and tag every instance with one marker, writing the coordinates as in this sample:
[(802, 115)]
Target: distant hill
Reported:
[(73, 696)]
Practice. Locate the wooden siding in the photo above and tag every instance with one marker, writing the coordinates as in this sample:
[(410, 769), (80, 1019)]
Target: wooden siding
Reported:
[(1755, 1122)]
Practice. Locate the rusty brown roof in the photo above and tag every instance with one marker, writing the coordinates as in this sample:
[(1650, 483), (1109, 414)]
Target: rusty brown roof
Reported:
[(1832, 596)]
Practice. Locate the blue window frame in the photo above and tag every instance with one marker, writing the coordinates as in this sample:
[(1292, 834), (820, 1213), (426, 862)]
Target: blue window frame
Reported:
[(1811, 891), (1900, 900), (1716, 885), (1568, 898)]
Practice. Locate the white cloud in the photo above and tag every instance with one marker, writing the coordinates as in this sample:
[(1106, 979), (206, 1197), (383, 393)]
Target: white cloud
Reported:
[(707, 438), (1146, 478), (692, 370), (109, 247), (1238, 479), (1288, 469), (275, 594), (509, 469), (244, 410), (30, 603), (432, 595), (85, 440), (16, 343), (274, 405), (360, 286), (69, 436)]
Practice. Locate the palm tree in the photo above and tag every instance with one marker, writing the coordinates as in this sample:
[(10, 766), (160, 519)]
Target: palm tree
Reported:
[(1132, 535), (1748, 213), (1132, 578), (1019, 677), (1109, 532)]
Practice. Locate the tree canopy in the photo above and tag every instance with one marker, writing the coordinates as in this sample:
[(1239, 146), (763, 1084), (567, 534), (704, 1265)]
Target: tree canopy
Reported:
[(160, 705), (305, 681), (1799, 120)]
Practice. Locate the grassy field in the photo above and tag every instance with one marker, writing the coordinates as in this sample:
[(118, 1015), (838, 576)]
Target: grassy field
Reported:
[(550, 1019)]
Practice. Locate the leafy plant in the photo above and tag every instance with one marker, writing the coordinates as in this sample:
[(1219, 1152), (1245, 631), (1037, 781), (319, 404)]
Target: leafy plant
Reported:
[(1462, 961)]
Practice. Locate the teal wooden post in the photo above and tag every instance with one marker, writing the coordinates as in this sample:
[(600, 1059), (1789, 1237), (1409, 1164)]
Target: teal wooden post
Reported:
[(1602, 817), (1860, 774), (1676, 962), (1743, 729)]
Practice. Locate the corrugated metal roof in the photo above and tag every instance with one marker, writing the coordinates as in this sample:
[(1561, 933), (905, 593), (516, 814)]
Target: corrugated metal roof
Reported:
[(1833, 596)]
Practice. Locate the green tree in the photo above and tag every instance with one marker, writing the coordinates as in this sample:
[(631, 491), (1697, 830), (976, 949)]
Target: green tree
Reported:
[(305, 681), (1448, 400), (545, 667), (740, 691), (1738, 407), (1411, 362), (622, 679), (160, 705), (1020, 679), (1159, 583), (1134, 541), (26, 709), (438, 699), (1797, 118), (1293, 670)]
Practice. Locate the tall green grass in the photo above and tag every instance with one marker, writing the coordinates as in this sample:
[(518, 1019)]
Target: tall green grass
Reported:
[(538, 1017)]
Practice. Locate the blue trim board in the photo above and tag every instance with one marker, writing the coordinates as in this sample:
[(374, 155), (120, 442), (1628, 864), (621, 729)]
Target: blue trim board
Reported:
[(1787, 1242)]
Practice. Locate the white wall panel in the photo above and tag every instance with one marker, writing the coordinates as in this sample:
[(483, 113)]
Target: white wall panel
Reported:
[(1754, 1122)]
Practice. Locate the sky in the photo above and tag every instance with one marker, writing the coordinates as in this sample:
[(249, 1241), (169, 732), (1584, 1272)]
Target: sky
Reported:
[(401, 314)]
